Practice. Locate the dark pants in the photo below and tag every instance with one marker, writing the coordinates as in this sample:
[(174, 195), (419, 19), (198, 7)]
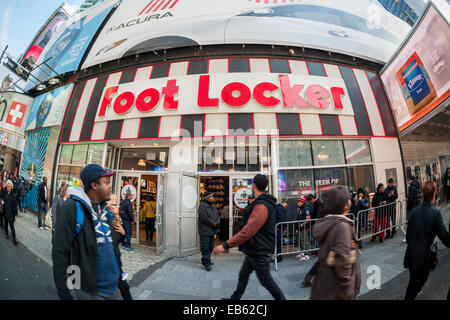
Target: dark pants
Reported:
[(224, 229), (417, 279), (150, 227), (127, 226), (206, 247), (11, 225), (447, 192), (261, 265), (279, 238), (1, 220), (22, 203), (41, 213), (314, 268), (391, 220)]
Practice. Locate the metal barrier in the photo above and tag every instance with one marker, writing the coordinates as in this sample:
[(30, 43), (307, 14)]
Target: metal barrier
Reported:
[(296, 237)]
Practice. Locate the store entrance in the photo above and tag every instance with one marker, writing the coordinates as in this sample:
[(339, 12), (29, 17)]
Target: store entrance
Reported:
[(219, 186), (147, 214)]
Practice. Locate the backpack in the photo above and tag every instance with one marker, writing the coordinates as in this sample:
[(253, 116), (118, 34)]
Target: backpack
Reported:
[(79, 218)]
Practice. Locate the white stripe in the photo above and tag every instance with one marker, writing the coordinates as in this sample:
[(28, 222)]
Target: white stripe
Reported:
[(265, 124), (143, 74), (170, 126), (371, 103), (113, 79), (332, 71), (259, 65), (216, 125), (310, 124), (218, 66), (99, 130), (130, 128), (77, 124), (178, 69), (348, 126), (298, 67)]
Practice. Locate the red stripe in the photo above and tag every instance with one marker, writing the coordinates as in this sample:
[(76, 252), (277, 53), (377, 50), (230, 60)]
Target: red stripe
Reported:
[(165, 6), (173, 5), (146, 7), (152, 6), (159, 5), (300, 124)]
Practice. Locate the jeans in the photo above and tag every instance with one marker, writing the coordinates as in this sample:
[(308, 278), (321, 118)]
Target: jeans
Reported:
[(206, 247), (261, 265), (41, 214), (83, 295), (11, 225), (391, 220), (22, 203), (314, 268), (127, 226), (417, 279), (150, 227)]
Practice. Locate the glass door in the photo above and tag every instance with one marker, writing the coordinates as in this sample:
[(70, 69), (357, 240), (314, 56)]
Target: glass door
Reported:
[(160, 215), (130, 183), (240, 190)]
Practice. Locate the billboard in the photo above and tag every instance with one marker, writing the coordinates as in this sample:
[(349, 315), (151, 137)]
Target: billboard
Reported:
[(417, 79), (14, 110), (66, 49), (48, 109), (363, 28)]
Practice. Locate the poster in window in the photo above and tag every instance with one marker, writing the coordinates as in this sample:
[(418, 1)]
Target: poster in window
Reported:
[(392, 173)]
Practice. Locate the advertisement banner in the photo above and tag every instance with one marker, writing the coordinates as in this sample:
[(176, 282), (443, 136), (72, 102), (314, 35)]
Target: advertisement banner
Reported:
[(417, 79), (48, 109), (363, 28), (14, 110), (66, 49)]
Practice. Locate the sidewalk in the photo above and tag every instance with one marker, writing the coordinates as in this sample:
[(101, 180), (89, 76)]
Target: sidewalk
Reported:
[(40, 243), (186, 279)]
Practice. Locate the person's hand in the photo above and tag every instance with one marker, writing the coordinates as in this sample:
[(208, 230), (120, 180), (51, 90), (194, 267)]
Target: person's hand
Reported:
[(3, 202), (219, 249), (118, 228)]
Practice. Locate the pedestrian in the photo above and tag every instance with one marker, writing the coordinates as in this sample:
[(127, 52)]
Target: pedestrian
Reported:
[(22, 191), (338, 276), (224, 223), (208, 223), (149, 212), (304, 227), (391, 197), (414, 195), (280, 212), (95, 251), (61, 196), (446, 184), (315, 205), (380, 219), (424, 224), (9, 204), (256, 240), (126, 213), (42, 201), (361, 214)]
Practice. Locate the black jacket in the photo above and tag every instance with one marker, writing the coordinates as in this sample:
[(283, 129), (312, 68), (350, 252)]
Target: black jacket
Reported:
[(263, 242), (41, 194), (315, 212), (420, 235), (414, 196), (10, 206), (394, 197), (82, 248), (280, 213), (208, 219), (22, 189), (376, 200), (126, 210)]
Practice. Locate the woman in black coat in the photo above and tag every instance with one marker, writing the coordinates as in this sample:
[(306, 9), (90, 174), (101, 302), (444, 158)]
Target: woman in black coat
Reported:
[(9, 202), (423, 226)]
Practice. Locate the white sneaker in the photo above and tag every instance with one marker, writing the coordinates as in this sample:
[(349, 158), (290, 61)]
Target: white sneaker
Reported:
[(47, 228), (404, 240), (41, 228)]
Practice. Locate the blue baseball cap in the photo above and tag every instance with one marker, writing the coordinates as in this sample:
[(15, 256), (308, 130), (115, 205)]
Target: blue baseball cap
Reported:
[(92, 172)]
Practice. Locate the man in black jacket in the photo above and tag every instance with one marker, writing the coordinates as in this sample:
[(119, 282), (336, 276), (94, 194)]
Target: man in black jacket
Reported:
[(391, 195), (92, 253), (126, 213), (42, 201), (257, 241), (208, 223), (414, 195), (424, 224)]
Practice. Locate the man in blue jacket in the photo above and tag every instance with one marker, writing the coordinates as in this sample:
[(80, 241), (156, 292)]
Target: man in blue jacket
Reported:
[(89, 245)]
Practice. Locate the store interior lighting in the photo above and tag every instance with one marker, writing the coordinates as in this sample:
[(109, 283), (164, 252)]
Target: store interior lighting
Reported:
[(41, 87)]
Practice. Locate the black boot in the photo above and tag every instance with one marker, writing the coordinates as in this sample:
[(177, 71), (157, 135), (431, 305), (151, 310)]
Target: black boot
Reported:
[(15, 242), (307, 281)]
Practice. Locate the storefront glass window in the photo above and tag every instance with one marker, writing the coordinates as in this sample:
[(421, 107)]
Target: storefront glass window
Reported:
[(326, 179), (151, 159), (227, 159), (66, 154), (293, 183), (294, 154), (357, 151), (95, 154), (63, 173), (361, 177), (329, 152), (79, 154)]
